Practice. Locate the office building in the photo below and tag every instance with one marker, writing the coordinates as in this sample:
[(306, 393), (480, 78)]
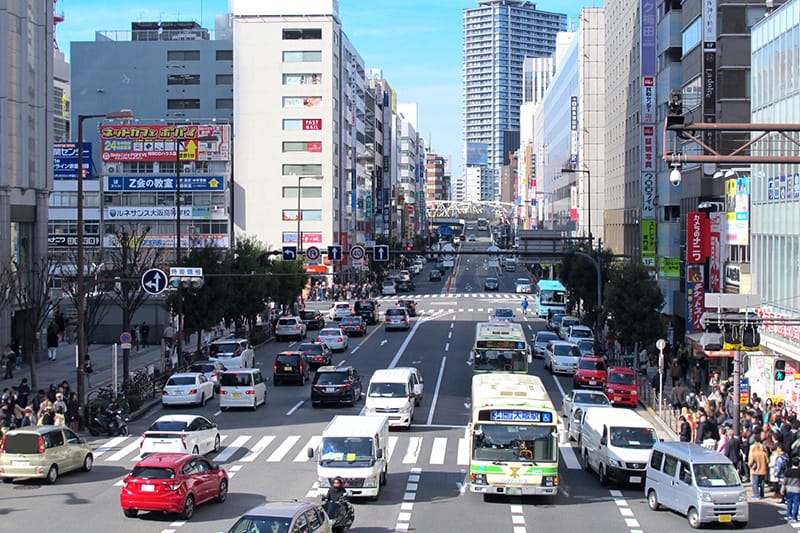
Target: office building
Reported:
[(498, 36), (437, 187)]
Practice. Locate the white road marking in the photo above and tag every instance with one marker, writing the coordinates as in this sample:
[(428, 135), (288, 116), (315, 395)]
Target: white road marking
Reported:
[(256, 450), (234, 447), (295, 407), (616, 493), (414, 445), (124, 451), (407, 506), (471, 310), (302, 455), (631, 522), (236, 468), (449, 334), (354, 350), (410, 336), (218, 413), (462, 457), (436, 391), (438, 451), (452, 324), (108, 446), (569, 456), (384, 341), (626, 511), (447, 347), (560, 388), (392, 444), (283, 449), (178, 523)]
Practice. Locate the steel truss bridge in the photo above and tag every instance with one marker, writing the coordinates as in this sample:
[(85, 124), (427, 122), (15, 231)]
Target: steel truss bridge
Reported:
[(469, 209)]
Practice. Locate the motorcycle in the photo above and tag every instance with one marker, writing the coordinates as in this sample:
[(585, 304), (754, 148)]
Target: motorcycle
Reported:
[(102, 423), (341, 513)]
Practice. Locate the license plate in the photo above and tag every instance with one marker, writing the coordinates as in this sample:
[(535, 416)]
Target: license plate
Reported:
[(148, 488), (19, 462), (236, 395), (636, 479), (617, 398), (513, 491), (330, 389), (725, 518), (592, 383), (287, 369)]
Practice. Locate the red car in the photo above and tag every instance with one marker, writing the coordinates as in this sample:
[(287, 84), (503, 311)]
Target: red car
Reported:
[(622, 387), (172, 483), (591, 372)]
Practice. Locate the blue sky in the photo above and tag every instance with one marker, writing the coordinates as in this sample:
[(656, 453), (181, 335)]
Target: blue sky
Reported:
[(417, 44)]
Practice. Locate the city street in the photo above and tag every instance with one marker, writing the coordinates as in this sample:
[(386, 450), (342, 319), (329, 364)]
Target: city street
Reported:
[(264, 451)]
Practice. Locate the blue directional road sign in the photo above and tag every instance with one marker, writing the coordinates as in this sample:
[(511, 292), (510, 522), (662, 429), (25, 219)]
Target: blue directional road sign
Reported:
[(335, 253), (290, 253), (381, 252), (154, 281)]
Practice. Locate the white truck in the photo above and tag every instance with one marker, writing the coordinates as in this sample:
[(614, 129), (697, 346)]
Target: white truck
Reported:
[(354, 448)]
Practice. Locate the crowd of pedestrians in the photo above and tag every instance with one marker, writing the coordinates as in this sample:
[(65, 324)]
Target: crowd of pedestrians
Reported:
[(56, 406)]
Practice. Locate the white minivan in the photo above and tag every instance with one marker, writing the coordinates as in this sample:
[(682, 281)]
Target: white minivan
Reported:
[(394, 393), (616, 443), (242, 388), (696, 482)]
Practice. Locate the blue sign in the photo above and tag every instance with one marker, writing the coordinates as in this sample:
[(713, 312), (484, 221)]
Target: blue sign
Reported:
[(445, 230), (381, 252), (744, 385), (289, 253), (521, 416), (149, 184), (65, 160), (154, 281), (334, 253)]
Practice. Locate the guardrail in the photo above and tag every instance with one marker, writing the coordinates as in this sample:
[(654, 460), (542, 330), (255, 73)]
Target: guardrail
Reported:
[(648, 397)]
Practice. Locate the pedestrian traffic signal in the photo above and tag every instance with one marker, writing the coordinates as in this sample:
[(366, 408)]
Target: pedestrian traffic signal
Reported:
[(780, 370)]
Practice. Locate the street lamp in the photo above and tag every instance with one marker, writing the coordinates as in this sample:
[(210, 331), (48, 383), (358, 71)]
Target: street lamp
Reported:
[(570, 170), (80, 289), (298, 215)]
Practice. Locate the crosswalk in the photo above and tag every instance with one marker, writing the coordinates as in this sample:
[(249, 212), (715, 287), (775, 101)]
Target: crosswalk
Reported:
[(455, 296)]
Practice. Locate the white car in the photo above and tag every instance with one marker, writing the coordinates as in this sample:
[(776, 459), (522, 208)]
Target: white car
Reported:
[(503, 314), (579, 333), (339, 310), (566, 323), (335, 338), (187, 388), (574, 406), (404, 275), (523, 285), (180, 434), (233, 353), (212, 370), (290, 327), (388, 288)]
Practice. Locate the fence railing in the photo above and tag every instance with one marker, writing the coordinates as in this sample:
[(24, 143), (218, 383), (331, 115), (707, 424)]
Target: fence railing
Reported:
[(648, 396)]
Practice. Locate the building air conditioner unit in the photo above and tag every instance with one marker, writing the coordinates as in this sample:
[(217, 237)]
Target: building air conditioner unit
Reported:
[(111, 169)]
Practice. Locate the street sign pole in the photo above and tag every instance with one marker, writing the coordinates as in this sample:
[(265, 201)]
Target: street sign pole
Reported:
[(661, 344), (114, 372)]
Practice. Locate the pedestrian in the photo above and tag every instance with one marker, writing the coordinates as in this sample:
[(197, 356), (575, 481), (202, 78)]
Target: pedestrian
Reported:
[(60, 403), (675, 371), (781, 463), (61, 324), (73, 411), (168, 335), (52, 341), (144, 329), (87, 369), (759, 467), (8, 360), (28, 418), (685, 430), (59, 418), (136, 338), (23, 392), (792, 488)]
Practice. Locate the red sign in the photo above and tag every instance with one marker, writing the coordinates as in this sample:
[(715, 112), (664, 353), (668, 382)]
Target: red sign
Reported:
[(715, 253), (312, 124), (410, 209), (315, 146), (697, 237), (203, 142), (777, 327)]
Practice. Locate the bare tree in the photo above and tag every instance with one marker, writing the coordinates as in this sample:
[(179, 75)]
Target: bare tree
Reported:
[(95, 300)]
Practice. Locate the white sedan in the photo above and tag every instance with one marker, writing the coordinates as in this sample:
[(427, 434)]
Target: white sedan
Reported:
[(180, 434), (189, 388), (339, 310), (335, 338)]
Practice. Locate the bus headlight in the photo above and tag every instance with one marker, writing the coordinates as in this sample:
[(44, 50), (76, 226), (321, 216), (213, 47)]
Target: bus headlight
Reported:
[(478, 479), (549, 481)]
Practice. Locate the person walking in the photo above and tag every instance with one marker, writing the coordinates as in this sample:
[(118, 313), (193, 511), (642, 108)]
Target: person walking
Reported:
[(9, 360), (52, 341), (686, 430), (144, 329), (759, 467), (137, 338), (792, 488), (87, 369), (524, 306)]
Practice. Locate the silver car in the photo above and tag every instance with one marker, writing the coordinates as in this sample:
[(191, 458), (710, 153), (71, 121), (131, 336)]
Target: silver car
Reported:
[(233, 353), (574, 405), (540, 341), (284, 517), (396, 318)]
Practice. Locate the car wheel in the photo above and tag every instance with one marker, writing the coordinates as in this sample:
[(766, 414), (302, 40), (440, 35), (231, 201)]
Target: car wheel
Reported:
[(601, 475), (652, 500), (88, 462), (384, 476), (694, 518), (222, 493), (196, 450), (255, 403), (52, 475), (8, 480), (188, 508), (130, 513), (586, 465), (216, 443), (315, 405)]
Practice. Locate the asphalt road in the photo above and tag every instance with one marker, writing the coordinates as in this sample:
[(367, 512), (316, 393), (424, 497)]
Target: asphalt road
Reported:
[(264, 451)]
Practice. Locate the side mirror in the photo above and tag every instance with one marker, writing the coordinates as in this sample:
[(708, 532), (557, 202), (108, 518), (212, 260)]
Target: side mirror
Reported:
[(310, 452), (214, 466), (603, 441), (379, 453)]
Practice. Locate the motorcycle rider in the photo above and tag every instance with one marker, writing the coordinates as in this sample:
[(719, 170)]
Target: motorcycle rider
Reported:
[(113, 416)]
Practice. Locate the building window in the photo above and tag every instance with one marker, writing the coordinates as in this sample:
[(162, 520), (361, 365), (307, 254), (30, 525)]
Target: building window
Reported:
[(302, 79), (183, 79), (183, 55), (137, 167), (183, 103), (304, 34), (224, 103), (313, 215), (305, 192), (690, 37), (302, 170), (224, 55), (301, 101), (302, 124), (224, 79), (302, 146), (302, 56)]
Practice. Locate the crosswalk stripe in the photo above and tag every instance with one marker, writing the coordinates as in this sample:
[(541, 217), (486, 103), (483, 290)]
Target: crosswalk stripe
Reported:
[(412, 453), (392, 443), (234, 447), (462, 458), (283, 449), (438, 451), (256, 450), (124, 451), (108, 446), (302, 455)]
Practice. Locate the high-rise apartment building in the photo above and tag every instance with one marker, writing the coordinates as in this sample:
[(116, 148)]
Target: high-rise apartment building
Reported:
[(498, 36)]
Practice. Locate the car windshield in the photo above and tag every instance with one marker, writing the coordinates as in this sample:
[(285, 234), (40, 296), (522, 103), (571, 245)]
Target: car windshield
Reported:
[(512, 443), (569, 321), (590, 399), (716, 475), (395, 312), (307, 315), (503, 312), (619, 378), (342, 306), (556, 320), (355, 451), (637, 438), (387, 390), (591, 365), (180, 380), (565, 350), (202, 368), (523, 281), (235, 379), (388, 283), (543, 337), (148, 472), (228, 348), (354, 321), (580, 333), (287, 322), (586, 345), (330, 378), (292, 360), (500, 360), (491, 280), (308, 347), (25, 443), (167, 425), (261, 524), (364, 306), (330, 333)]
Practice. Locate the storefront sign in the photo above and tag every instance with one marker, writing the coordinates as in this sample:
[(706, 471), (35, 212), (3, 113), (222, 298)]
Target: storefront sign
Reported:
[(777, 328), (737, 207), (669, 267), (695, 297), (156, 142), (188, 183), (648, 228), (65, 160), (715, 252), (697, 237), (61, 239), (147, 213)]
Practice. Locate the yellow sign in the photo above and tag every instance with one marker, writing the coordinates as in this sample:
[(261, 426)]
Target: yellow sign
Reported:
[(669, 267)]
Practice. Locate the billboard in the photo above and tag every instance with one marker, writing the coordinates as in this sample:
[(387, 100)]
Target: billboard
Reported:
[(715, 253), (785, 187), (65, 160), (695, 296), (737, 211), (648, 228), (477, 154), (159, 142), (697, 237), (154, 184)]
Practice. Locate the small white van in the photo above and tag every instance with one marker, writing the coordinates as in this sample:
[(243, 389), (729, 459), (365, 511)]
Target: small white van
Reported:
[(356, 449), (616, 443), (394, 393), (696, 482), (242, 388)]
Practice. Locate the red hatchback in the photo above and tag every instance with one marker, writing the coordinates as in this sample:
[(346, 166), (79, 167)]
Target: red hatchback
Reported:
[(172, 483), (591, 372), (622, 387)]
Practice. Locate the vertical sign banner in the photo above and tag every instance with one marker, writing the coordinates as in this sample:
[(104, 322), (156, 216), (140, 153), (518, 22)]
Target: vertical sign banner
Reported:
[(715, 253), (65, 160), (573, 126), (573, 202), (709, 67), (695, 296), (697, 237), (648, 33), (648, 227), (737, 207)]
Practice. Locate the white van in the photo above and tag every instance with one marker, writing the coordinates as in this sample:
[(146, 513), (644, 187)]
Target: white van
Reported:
[(394, 393), (356, 449), (696, 482), (242, 388), (616, 444)]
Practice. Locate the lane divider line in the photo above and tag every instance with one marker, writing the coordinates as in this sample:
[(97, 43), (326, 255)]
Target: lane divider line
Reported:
[(403, 523)]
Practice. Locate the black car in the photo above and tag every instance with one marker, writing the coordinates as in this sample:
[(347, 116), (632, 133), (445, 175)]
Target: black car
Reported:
[(312, 319), (410, 305), (353, 325), (291, 366), (368, 310), (406, 286), (317, 353), (491, 284), (435, 275), (554, 324), (335, 385)]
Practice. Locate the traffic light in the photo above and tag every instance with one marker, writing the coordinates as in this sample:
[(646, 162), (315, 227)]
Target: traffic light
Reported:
[(185, 277), (780, 370)]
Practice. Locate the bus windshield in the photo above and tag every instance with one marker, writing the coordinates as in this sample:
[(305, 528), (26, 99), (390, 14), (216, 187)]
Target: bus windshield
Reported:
[(500, 361), (553, 297), (508, 442)]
